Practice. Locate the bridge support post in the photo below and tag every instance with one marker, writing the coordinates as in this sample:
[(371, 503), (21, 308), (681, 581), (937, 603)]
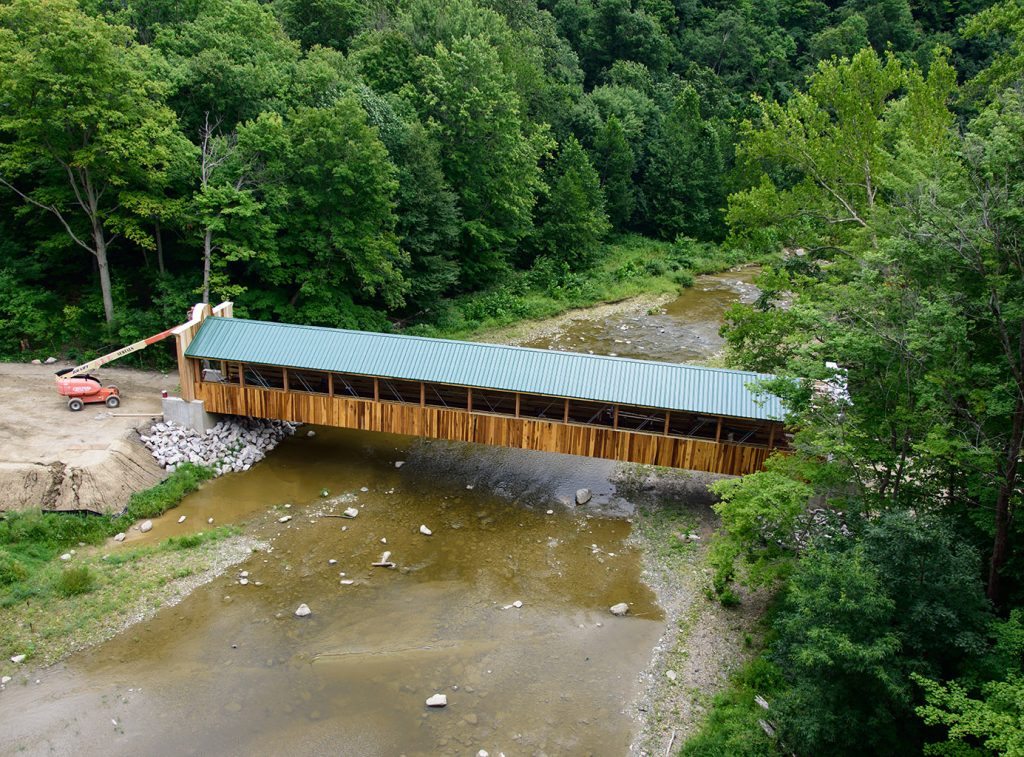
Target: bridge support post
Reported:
[(189, 414)]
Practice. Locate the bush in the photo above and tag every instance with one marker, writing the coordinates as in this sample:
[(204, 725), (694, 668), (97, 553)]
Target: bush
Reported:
[(165, 495), (75, 581), (11, 570)]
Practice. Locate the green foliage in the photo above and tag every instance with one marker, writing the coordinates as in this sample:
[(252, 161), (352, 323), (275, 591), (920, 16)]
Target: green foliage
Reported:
[(733, 728), (11, 569), (74, 581), (615, 163), (157, 500), (572, 221)]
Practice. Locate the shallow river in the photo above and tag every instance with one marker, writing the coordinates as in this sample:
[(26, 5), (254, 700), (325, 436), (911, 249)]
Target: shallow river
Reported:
[(231, 670)]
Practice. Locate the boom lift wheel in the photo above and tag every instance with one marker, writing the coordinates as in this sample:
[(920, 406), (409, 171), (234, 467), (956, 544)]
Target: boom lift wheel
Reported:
[(113, 400), (75, 404)]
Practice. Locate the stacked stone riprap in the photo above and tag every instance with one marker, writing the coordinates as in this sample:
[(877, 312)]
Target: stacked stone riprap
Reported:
[(233, 445)]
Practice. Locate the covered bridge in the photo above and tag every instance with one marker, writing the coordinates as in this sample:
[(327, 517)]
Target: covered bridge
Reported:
[(639, 411)]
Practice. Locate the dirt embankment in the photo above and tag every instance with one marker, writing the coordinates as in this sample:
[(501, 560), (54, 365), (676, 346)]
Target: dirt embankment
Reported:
[(89, 460)]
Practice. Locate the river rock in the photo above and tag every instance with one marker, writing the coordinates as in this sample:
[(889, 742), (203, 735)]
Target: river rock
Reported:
[(438, 700), (671, 675), (620, 609), (399, 463), (517, 604), (303, 611), (18, 658), (425, 531), (66, 556), (284, 519), (5, 680), (147, 525), (311, 433), (37, 361), (351, 512), (210, 521), (121, 536), (583, 496), (181, 519), (483, 753), (332, 562), (50, 360)]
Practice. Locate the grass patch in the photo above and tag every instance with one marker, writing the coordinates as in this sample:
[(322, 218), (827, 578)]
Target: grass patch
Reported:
[(627, 267), (61, 609), (30, 540)]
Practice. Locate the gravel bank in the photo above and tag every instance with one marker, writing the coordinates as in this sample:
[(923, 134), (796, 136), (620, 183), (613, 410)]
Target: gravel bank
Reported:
[(703, 642)]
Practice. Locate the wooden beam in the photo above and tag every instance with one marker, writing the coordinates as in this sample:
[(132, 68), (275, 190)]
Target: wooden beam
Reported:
[(241, 375), (469, 399), (615, 418), (423, 394), (718, 431), (284, 379), (771, 437), (565, 416), (517, 404), (330, 384), (376, 389), (667, 416)]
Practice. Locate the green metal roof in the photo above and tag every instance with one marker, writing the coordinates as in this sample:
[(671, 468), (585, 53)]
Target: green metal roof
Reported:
[(647, 383)]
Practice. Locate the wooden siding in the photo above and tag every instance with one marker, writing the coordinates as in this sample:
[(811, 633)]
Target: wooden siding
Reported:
[(460, 425)]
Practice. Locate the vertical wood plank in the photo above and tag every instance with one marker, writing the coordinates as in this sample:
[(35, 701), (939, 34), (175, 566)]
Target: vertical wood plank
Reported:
[(718, 431)]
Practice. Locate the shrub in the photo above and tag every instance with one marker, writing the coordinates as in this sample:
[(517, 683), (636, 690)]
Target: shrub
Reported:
[(165, 495), (75, 581), (11, 570)]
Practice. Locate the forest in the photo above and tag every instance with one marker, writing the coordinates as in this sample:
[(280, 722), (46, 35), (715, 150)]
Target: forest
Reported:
[(431, 165)]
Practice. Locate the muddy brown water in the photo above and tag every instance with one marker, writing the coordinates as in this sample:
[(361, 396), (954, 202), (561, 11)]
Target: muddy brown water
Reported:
[(232, 671)]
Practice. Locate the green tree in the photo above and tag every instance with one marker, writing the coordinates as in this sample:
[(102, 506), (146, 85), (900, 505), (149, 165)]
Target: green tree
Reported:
[(332, 192), (84, 122), (331, 23), (839, 652), (489, 150), (572, 223), (233, 62), (615, 163), (685, 170)]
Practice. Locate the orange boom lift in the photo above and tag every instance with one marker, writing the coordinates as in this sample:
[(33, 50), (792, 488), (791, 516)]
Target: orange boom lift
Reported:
[(80, 388)]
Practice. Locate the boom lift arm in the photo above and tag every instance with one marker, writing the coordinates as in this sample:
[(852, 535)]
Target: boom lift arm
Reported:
[(93, 364)]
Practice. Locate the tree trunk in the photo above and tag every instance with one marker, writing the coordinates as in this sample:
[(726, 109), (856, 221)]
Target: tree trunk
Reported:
[(159, 249), (100, 240), (1006, 490), (207, 256)]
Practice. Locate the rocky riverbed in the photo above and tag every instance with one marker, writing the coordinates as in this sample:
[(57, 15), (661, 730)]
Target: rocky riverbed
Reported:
[(232, 446)]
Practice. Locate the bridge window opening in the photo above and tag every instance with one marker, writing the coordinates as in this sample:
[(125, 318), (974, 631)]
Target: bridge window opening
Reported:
[(211, 371), (313, 382), (348, 385), (545, 408), (693, 426), (442, 395), (490, 401), (396, 390), (233, 375), (591, 413), (641, 419), (746, 433), (264, 376)]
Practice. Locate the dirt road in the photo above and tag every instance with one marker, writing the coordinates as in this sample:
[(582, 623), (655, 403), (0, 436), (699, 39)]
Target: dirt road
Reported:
[(91, 459)]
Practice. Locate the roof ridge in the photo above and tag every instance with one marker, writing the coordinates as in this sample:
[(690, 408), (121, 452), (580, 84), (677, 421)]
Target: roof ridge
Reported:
[(431, 339)]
